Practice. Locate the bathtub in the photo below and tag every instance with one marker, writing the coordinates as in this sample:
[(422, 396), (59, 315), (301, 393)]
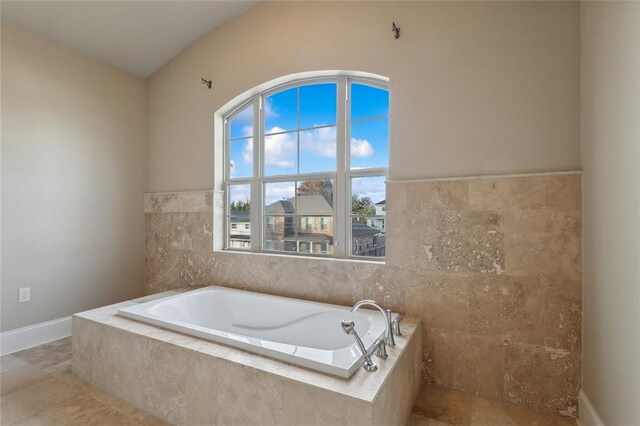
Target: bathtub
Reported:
[(307, 334)]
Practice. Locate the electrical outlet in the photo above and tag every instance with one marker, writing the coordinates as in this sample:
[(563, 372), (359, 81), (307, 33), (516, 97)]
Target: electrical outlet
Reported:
[(24, 295)]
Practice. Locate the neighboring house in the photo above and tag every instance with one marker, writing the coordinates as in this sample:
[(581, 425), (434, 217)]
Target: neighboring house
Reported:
[(240, 229), (379, 222), (313, 222), (366, 240)]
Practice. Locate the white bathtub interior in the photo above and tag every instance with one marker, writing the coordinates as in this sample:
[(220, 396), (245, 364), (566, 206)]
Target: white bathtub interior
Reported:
[(308, 334)]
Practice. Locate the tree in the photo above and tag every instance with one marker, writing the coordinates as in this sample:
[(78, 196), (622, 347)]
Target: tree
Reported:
[(362, 206), (317, 187), (240, 206)]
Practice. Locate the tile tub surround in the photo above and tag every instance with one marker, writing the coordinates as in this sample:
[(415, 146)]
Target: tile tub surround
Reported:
[(186, 380), (492, 266)]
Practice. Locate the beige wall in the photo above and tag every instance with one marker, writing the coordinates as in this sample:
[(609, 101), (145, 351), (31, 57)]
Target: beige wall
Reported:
[(476, 88), (610, 158), (73, 141)]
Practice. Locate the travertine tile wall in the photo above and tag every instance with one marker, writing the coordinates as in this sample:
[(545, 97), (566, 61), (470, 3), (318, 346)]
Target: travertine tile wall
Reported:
[(491, 265)]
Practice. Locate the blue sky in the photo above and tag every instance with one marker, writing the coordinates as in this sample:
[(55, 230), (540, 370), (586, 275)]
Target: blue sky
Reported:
[(372, 187), (314, 106)]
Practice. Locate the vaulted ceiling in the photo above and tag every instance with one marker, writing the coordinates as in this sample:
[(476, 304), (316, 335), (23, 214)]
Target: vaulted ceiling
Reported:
[(136, 36)]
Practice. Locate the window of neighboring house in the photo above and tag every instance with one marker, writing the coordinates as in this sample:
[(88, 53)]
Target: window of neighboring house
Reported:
[(310, 152), (270, 226)]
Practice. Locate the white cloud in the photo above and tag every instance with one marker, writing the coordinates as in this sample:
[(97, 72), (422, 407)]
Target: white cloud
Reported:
[(247, 152), (320, 142), (279, 191), (361, 148), (269, 110), (232, 171), (280, 150), (239, 193), (372, 187)]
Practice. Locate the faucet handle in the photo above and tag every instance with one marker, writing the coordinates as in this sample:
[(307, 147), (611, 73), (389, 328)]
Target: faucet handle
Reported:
[(395, 325), (381, 349)]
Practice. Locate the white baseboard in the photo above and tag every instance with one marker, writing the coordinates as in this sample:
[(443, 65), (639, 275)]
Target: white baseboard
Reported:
[(33, 335), (588, 414)]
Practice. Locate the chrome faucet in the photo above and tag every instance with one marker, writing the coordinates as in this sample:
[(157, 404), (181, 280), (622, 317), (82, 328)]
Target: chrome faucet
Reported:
[(350, 328), (389, 340)]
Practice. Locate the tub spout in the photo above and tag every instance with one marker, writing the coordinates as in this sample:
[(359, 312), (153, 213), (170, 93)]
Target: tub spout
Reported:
[(350, 328), (389, 340)]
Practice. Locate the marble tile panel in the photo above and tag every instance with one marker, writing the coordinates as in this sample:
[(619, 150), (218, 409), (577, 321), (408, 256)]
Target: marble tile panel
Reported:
[(487, 412), (305, 406), (466, 363), (562, 313), (507, 305), (418, 420), (79, 410), (416, 197), (444, 406), (203, 388), (507, 194), (85, 345), (33, 399), (176, 202), (150, 375), (394, 401), (10, 362), (59, 369), (542, 378), (138, 416), (448, 240), (47, 355), (555, 192), (385, 285), (440, 300), (563, 192), (543, 242), (410, 239), (21, 377), (469, 241)]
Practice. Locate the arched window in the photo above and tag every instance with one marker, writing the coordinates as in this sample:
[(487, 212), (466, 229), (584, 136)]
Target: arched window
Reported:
[(305, 166)]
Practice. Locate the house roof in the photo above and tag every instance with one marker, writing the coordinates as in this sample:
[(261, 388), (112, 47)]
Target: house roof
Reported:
[(360, 229), (307, 205), (381, 203), (280, 207), (240, 216)]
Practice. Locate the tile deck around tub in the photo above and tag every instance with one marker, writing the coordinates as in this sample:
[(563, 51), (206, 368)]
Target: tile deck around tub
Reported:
[(187, 380), (361, 385)]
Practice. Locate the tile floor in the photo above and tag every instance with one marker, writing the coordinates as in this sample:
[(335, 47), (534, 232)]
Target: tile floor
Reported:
[(38, 388)]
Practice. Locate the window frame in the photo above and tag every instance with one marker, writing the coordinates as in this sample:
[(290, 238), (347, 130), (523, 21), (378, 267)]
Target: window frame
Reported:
[(341, 177)]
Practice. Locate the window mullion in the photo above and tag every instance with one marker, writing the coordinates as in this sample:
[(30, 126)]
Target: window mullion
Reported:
[(340, 211), (256, 190)]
